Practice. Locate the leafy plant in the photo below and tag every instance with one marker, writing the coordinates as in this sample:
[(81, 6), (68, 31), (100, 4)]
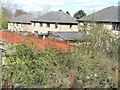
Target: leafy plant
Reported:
[(93, 61)]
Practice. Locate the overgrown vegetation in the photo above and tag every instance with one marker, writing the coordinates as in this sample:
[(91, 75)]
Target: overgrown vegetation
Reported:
[(93, 60), (7, 12), (6, 15)]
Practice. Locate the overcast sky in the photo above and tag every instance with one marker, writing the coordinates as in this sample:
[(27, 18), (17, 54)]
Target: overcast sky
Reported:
[(72, 6)]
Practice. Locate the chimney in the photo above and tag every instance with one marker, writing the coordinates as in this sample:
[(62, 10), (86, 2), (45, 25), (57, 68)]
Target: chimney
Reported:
[(60, 10)]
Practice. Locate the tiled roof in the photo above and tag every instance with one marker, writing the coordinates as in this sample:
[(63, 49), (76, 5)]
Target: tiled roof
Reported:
[(109, 14), (24, 18), (56, 17), (68, 35)]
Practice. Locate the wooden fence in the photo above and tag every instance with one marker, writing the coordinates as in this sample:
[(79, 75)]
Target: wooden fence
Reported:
[(8, 85), (72, 81)]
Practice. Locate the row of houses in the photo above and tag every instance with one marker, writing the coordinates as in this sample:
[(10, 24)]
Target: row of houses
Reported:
[(52, 21), (59, 21), (109, 17)]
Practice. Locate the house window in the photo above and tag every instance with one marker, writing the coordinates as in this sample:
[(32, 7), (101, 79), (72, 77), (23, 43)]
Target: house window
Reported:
[(35, 31), (56, 25), (13, 24), (70, 26), (34, 24), (48, 24), (116, 26), (17, 24), (41, 24), (85, 24)]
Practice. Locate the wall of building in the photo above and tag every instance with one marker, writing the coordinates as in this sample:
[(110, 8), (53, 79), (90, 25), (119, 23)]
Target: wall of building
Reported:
[(41, 29), (110, 27), (105, 25), (10, 26), (27, 27), (45, 29), (19, 27), (117, 33)]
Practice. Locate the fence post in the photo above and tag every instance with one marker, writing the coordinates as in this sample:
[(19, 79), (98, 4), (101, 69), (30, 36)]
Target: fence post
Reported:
[(0, 69), (73, 80), (8, 85), (115, 79)]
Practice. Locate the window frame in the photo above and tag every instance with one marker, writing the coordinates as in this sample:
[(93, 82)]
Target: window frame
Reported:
[(56, 25), (116, 26), (41, 24), (34, 24), (71, 26), (48, 25)]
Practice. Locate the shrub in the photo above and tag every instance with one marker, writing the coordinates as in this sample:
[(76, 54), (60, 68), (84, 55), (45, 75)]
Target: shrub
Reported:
[(93, 62)]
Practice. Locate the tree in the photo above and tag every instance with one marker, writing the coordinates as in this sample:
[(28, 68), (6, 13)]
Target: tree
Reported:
[(36, 14), (6, 12), (79, 14), (0, 17), (6, 15), (19, 12), (46, 9)]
